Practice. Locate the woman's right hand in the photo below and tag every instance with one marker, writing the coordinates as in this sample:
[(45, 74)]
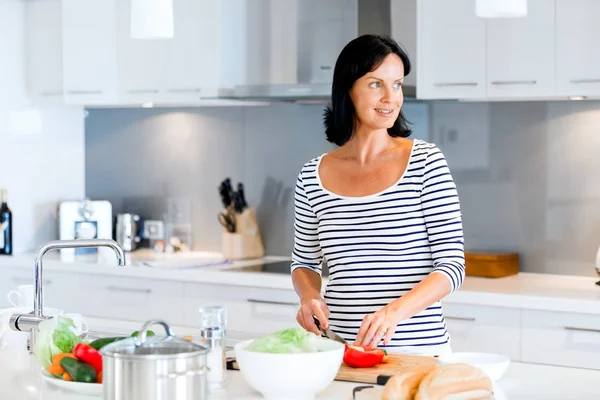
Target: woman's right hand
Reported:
[(309, 307)]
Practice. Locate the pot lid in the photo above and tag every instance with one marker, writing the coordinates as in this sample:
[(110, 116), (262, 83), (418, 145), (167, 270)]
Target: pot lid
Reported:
[(154, 347)]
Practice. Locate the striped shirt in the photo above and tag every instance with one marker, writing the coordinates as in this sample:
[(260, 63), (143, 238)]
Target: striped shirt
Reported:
[(378, 247)]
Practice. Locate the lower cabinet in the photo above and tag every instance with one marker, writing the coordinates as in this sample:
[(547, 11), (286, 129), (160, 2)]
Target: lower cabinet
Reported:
[(484, 329), (557, 338), (250, 310)]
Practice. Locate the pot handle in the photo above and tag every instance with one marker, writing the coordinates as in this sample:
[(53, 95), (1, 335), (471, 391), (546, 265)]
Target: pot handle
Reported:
[(144, 331)]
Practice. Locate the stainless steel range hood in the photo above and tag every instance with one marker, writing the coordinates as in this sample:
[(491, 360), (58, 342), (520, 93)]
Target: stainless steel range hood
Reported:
[(319, 41)]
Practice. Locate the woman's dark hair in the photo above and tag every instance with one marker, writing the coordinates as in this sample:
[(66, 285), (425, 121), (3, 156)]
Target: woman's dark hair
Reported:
[(360, 56)]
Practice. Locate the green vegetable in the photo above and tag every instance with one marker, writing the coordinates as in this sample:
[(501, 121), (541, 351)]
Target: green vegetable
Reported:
[(79, 371), (100, 343), (56, 335), (293, 340), (137, 333)]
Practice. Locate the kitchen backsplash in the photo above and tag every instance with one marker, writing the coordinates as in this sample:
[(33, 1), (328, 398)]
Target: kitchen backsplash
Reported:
[(527, 173)]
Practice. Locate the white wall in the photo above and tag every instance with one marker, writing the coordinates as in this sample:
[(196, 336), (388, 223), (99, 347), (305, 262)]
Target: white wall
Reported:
[(41, 163)]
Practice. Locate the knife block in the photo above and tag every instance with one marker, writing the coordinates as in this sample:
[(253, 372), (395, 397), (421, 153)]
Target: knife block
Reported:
[(246, 241)]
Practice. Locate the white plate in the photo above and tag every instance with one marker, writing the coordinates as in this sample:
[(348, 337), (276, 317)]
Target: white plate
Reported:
[(78, 387)]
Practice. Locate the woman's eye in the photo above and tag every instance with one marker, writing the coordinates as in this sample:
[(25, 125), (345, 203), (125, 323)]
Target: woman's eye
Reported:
[(374, 85), (397, 85)]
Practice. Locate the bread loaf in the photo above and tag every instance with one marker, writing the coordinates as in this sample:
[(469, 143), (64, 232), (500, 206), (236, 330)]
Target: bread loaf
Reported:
[(455, 382), (404, 385)]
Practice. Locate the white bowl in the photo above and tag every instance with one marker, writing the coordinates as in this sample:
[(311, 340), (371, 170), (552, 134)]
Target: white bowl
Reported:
[(494, 365), (290, 376)]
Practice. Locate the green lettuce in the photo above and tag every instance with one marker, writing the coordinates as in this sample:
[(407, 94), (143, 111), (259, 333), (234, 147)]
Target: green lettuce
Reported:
[(293, 340), (56, 335)]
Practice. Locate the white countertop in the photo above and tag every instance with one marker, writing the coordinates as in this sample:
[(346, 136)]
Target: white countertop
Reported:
[(525, 290), (521, 381)]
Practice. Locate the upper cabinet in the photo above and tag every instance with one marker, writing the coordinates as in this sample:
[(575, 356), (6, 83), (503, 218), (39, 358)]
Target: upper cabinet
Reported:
[(90, 51), (12, 57), (43, 46), (520, 53), (450, 50), (547, 54), (577, 56)]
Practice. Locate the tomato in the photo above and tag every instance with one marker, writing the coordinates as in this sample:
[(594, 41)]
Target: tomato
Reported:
[(363, 357)]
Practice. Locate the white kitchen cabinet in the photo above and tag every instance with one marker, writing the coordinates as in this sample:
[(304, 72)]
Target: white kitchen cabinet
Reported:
[(520, 53), (12, 54), (250, 310), (90, 51), (43, 44), (577, 57), (142, 63), (192, 68), (555, 338), (130, 299), (484, 329), (451, 49)]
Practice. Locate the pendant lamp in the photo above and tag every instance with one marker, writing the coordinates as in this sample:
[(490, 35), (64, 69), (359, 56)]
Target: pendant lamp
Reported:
[(501, 8), (151, 19)]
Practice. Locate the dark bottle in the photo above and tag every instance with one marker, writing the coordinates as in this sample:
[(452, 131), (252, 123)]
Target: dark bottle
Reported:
[(6, 223)]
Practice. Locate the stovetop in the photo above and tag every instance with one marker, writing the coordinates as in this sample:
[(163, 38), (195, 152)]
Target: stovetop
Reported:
[(278, 267)]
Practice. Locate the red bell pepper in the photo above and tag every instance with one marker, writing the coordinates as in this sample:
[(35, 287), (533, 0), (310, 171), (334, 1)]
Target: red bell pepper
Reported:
[(89, 355), (363, 357)]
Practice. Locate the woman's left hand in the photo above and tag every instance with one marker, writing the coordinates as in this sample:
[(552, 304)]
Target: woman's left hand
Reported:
[(377, 326)]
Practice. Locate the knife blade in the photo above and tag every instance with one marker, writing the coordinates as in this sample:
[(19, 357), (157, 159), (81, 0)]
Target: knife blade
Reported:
[(328, 333)]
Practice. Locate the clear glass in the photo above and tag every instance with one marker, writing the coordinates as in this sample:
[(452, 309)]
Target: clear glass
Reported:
[(213, 327)]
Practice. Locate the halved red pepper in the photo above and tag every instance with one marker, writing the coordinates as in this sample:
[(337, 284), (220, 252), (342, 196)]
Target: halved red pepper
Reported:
[(363, 357), (89, 355)]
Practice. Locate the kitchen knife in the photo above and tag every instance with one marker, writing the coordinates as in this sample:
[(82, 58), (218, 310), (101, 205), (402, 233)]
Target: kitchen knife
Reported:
[(242, 196), (328, 333)]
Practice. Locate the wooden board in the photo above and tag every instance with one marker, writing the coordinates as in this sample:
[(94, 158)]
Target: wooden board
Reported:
[(491, 265), (376, 375), (381, 373)]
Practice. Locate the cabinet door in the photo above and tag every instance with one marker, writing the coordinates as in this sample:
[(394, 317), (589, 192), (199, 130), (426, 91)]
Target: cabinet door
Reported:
[(89, 51), (450, 50), (141, 63), (567, 339), (43, 44), (577, 58), (484, 329), (12, 57), (520, 53), (192, 62), (250, 311)]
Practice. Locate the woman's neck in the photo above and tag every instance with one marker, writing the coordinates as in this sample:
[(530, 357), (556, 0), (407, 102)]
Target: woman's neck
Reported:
[(366, 145)]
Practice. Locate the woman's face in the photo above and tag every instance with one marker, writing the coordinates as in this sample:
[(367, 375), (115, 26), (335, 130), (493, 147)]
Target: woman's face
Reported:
[(377, 96)]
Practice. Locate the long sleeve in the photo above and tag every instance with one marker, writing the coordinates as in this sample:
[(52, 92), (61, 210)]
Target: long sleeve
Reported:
[(307, 250), (443, 218)]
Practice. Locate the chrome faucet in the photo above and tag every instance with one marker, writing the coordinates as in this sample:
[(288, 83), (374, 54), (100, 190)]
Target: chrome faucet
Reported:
[(29, 322)]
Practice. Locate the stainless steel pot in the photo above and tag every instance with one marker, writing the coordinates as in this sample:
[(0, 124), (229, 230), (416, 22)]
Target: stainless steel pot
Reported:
[(154, 367)]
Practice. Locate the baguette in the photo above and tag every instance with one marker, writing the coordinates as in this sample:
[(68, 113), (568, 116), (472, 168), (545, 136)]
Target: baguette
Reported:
[(455, 382), (404, 385)]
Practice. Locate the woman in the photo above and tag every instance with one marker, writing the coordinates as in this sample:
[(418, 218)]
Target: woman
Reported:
[(382, 211)]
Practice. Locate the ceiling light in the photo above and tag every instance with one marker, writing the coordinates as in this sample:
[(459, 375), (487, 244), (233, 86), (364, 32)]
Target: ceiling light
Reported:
[(151, 19), (501, 8)]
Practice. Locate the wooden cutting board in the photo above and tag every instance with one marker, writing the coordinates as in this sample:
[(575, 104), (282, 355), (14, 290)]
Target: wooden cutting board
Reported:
[(378, 375)]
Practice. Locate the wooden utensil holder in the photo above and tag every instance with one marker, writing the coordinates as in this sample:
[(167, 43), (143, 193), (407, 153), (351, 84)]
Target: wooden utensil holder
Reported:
[(246, 241)]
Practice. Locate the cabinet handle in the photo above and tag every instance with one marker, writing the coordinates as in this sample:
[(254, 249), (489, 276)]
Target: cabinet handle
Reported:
[(131, 290), (279, 303), (460, 318), (585, 80), (84, 92), (48, 94), (142, 91), (573, 328), (325, 67), (443, 84), (184, 90), (513, 82), (29, 281)]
